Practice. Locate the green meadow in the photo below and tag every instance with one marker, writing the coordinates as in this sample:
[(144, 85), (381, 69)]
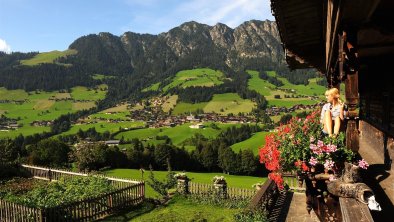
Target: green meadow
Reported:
[(254, 143), (169, 103), (103, 127), (232, 180), (40, 105), (194, 77), (229, 103), (182, 107), (269, 90), (47, 57), (177, 134)]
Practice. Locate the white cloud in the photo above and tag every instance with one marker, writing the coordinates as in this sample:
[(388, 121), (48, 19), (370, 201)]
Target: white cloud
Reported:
[(154, 16), (4, 47), (229, 12)]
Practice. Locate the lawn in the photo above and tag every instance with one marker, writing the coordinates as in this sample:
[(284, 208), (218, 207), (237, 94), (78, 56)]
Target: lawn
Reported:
[(195, 77), (47, 57), (232, 180), (178, 209), (253, 143), (229, 103)]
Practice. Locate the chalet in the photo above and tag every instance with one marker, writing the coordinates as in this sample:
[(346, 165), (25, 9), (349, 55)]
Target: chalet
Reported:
[(351, 42), (112, 142), (197, 126)]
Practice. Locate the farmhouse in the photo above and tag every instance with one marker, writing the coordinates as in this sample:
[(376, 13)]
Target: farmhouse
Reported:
[(112, 142), (197, 126)]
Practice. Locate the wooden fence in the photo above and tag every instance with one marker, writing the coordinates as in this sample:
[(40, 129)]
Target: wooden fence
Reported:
[(55, 174), (231, 192), (128, 193)]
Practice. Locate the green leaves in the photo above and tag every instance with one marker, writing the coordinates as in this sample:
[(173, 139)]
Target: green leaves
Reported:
[(66, 190)]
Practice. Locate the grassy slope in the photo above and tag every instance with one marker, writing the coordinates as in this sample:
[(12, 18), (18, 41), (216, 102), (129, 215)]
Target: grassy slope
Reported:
[(232, 180), (47, 57), (230, 103), (253, 143), (268, 90), (183, 107), (170, 103), (103, 126), (153, 87), (195, 77), (38, 106), (177, 134)]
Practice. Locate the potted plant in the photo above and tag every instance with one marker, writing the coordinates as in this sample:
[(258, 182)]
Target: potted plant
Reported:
[(300, 147)]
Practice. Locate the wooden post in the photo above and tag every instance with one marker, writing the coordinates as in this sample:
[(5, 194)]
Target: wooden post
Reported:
[(352, 98)]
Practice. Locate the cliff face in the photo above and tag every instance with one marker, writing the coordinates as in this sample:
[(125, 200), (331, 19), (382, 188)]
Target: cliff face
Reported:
[(251, 40)]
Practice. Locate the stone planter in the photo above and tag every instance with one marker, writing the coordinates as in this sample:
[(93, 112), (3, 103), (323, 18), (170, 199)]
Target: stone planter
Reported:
[(183, 185), (221, 189)]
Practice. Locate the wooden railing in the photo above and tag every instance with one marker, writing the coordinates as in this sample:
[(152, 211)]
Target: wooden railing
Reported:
[(265, 198), (128, 193)]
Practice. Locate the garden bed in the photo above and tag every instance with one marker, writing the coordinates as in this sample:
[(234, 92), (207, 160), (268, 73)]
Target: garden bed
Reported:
[(56, 195), (40, 193)]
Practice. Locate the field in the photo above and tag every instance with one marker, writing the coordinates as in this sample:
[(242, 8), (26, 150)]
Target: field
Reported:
[(47, 57), (195, 77), (269, 91), (169, 103), (153, 87), (232, 180), (177, 134), (260, 85), (229, 103), (253, 143), (83, 93), (183, 107), (40, 106), (103, 127), (221, 103)]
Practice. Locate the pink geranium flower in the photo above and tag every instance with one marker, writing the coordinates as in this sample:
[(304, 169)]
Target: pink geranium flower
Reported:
[(320, 143), (313, 161), (363, 164), (328, 164)]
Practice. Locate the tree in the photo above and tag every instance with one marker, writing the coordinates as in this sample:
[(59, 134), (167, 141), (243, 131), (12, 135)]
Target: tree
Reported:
[(91, 156), (50, 152), (285, 118), (208, 157), (227, 159), (248, 162)]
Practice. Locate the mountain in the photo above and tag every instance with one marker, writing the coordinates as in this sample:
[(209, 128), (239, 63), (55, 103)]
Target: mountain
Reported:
[(139, 60)]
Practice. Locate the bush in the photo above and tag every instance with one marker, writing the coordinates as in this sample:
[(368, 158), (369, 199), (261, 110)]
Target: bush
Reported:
[(66, 190), (249, 216)]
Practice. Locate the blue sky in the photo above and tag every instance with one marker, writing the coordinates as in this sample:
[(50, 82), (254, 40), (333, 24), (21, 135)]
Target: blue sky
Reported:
[(45, 25)]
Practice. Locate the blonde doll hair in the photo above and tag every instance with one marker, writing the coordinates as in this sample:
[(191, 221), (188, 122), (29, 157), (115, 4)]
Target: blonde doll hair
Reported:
[(334, 92)]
